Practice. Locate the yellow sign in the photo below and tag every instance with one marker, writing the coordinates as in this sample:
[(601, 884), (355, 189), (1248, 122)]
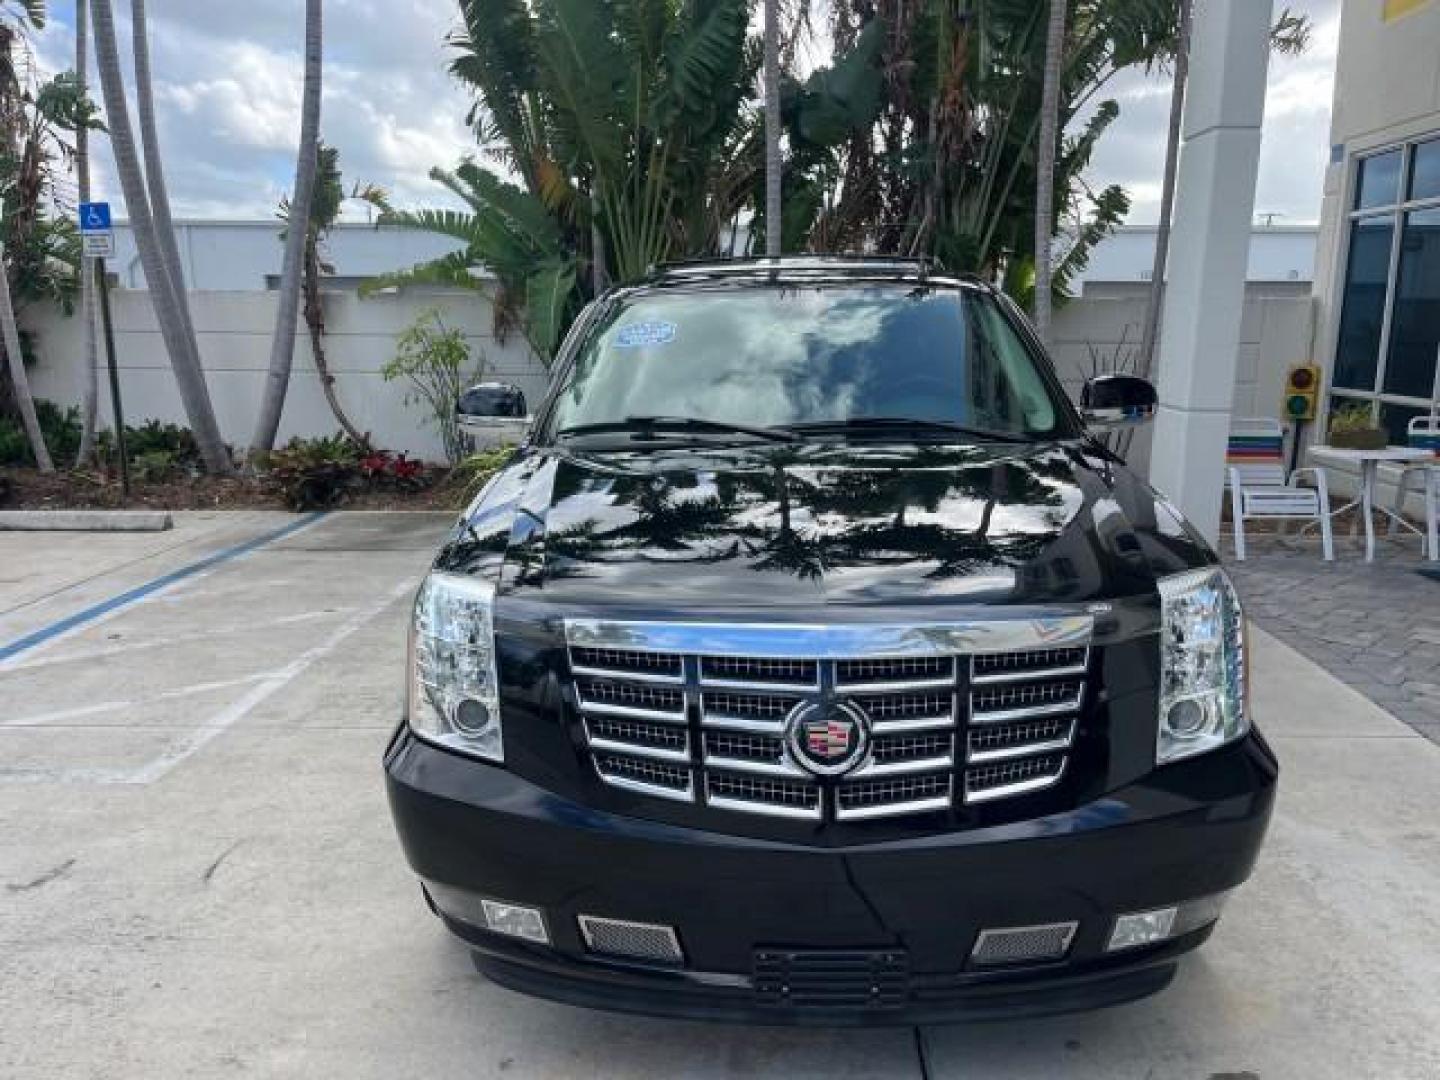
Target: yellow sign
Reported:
[(1394, 9)]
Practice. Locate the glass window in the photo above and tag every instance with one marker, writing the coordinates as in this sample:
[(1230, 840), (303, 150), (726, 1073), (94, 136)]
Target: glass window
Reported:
[(775, 356), (1425, 175), (1362, 312), (1395, 419), (1415, 328), (1379, 183)]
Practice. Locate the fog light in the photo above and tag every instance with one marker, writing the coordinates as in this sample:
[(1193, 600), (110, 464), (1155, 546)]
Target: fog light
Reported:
[(1142, 928), (1161, 924), (516, 921), (513, 920)]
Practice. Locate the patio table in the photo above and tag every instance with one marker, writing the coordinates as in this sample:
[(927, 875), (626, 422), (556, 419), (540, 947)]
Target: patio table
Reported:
[(1369, 462)]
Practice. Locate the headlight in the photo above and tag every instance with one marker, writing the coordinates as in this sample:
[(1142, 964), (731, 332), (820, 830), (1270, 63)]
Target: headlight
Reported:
[(1202, 665), (454, 700)]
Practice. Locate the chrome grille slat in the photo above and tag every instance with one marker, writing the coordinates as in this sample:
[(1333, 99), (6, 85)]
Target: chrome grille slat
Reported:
[(632, 663), (1005, 780), (646, 777), (946, 729), (756, 795), (1027, 665), (881, 798), (1001, 742), (664, 742), (1016, 701)]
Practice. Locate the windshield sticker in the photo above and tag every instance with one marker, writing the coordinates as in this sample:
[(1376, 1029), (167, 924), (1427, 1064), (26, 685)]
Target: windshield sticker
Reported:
[(644, 334)]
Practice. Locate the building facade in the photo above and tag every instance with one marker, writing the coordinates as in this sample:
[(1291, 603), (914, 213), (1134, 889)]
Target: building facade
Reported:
[(1377, 282)]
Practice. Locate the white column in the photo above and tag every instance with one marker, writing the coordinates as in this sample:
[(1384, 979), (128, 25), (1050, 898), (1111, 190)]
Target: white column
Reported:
[(1205, 298)]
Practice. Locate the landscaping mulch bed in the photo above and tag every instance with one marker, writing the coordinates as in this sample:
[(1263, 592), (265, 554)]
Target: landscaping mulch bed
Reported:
[(27, 489)]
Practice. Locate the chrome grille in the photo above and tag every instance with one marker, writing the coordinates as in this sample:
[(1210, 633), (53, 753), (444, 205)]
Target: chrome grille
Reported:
[(649, 777), (946, 729), (627, 699), (922, 670), (759, 671), (786, 798), (1016, 666), (1009, 778), (874, 798), (668, 740), (628, 661)]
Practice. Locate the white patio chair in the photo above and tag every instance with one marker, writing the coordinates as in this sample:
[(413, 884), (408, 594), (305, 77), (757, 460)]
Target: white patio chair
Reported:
[(1423, 432), (1261, 488)]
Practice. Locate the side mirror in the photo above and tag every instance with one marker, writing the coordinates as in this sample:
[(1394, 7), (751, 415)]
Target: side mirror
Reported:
[(1116, 401)]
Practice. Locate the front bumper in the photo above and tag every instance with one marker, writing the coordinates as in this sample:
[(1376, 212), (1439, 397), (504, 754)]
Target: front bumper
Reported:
[(1188, 830)]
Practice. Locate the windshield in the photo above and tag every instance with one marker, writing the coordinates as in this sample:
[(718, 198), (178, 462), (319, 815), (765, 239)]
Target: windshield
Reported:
[(809, 355)]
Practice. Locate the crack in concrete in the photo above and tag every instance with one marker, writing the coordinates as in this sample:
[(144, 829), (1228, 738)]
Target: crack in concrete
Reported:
[(53, 874), (210, 870)]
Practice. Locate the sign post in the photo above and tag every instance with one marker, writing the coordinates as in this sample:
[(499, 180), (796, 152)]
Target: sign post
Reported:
[(98, 239)]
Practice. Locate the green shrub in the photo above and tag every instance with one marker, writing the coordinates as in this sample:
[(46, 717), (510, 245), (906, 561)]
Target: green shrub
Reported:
[(314, 474), (61, 428), (435, 360), (14, 447)]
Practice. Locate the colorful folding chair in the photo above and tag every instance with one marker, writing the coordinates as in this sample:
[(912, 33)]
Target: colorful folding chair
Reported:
[(1261, 488)]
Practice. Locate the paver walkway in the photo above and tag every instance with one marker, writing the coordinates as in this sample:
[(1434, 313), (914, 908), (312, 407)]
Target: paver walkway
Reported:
[(1374, 626)]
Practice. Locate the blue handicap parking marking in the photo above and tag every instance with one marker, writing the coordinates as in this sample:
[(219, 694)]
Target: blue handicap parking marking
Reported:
[(95, 217)]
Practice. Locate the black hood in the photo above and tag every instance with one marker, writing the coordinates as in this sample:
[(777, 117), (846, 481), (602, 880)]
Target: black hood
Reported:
[(808, 525)]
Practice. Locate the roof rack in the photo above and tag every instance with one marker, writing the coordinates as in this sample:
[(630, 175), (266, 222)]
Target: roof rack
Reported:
[(720, 267)]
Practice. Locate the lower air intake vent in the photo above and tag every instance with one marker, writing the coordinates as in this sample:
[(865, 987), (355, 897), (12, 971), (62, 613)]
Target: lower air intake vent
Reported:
[(635, 940), (831, 980), (1022, 944)]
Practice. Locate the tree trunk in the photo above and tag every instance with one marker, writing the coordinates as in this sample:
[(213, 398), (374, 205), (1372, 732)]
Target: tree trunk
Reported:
[(89, 354), (155, 170), (24, 403), (1156, 299), (315, 322), (773, 212), (184, 360), (282, 346), (1045, 167)]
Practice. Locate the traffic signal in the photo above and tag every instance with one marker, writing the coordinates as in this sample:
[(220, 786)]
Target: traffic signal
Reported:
[(1302, 392)]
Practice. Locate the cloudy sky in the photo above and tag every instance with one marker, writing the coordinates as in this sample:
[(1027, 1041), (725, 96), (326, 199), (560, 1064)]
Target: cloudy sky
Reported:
[(227, 85)]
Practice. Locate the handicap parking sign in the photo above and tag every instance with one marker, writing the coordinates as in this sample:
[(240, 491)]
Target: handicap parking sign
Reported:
[(94, 217)]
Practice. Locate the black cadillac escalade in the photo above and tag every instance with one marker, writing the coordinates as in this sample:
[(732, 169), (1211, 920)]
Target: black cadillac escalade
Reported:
[(813, 662)]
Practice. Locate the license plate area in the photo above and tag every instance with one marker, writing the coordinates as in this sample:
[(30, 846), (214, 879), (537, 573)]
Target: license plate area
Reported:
[(831, 979)]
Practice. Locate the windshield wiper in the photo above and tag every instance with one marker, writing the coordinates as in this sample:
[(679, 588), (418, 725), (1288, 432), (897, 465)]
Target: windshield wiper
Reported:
[(661, 425), (906, 423)]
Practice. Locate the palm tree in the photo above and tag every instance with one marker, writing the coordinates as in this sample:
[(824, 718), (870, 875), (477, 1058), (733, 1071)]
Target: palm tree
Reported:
[(164, 296), (155, 169), (629, 131), (772, 129), (282, 346), (1050, 132), (1167, 194), (20, 384), (90, 387), (324, 212), (32, 12)]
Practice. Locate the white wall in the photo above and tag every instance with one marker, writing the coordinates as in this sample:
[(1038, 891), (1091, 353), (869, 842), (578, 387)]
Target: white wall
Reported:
[(1274, 335), (238, 256), (235, 329)]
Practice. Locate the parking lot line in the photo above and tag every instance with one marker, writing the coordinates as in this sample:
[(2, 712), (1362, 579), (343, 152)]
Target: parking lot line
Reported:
[(266, 684), (105, 608)]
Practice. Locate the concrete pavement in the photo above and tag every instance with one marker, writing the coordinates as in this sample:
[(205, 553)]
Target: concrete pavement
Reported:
[(198, 875)]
